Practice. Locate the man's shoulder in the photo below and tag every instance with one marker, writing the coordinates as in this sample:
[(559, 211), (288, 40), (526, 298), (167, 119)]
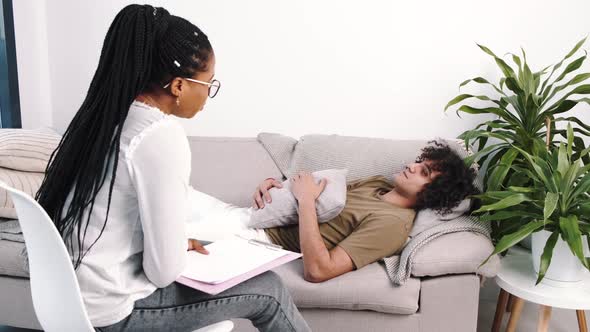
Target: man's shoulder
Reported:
[(376, 180), (393, 212)]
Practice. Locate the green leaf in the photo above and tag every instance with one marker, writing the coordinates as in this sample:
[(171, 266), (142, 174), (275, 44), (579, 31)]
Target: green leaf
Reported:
[(572, 52), (517, 61), (522, 170), (546, 256), (583, 154), (487, 50), (521, 189), (582, 187), (576, 130), (504, 135), (511, 239), (571, 67), (506, 69), (518, 179), (462, 97), (494, 195), (577, 79), (513, 86), (499, 173), (528, 79), (496, 124), (570, 140), (542, 168), (474, 158), (486, 110), (575, 49), (575, 120), (505, 214), (568, 184), (551, 200), (583, 89), (572, 235), (562, 160), (584, 227), (562, 107), (481, 80), (509, 201)]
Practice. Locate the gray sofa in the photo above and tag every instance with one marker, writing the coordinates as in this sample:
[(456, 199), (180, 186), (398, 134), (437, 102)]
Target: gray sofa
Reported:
[(363, 300)]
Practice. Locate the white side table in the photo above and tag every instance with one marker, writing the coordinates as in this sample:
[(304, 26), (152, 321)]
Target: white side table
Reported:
[(517, 281)]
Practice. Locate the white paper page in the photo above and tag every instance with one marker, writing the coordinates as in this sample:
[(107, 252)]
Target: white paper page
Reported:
[(228, 258)]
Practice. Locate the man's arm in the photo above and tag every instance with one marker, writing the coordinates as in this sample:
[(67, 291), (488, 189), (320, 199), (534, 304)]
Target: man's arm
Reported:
[(319, 263)]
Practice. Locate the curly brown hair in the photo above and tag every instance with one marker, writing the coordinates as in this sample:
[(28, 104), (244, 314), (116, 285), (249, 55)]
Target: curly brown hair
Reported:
[(451, 186)]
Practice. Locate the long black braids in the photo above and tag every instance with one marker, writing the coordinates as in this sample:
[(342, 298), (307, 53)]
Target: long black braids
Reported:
[(145, 47)]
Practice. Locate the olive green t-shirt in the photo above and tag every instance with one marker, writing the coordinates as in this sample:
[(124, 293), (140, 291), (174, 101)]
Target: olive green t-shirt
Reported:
[(368, 228)]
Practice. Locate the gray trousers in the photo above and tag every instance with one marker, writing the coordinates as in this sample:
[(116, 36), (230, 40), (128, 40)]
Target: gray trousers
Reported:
[(177, 308)]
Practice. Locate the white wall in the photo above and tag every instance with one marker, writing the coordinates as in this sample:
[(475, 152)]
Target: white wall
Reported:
[(366, 68)]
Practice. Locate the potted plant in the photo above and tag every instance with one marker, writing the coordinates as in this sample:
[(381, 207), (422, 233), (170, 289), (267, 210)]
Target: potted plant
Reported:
[(529, 106), (554, 208)]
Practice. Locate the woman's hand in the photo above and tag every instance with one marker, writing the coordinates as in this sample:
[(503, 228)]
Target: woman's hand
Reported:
[(304, 187), (197, 246), (261, 194)]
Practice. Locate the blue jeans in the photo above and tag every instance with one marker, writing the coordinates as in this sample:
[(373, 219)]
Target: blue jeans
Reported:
[(263, 300)]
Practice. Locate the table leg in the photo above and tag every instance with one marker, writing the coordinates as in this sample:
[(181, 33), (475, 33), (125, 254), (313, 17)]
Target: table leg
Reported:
[(582, 321), (515, 315), (510, 303), (500, 308), (544, 317)]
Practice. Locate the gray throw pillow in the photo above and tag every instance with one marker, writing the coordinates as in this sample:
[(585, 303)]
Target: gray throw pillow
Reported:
[(428, 218), (282, 210)]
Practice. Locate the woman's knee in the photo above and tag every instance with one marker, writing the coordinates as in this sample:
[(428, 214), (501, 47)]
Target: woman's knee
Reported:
[(269, 283)]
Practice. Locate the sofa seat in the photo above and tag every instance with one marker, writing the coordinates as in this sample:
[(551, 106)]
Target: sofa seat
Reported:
[(366, 289), (12, 259)]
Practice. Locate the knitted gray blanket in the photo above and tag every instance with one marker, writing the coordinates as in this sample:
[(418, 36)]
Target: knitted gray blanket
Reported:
[(399, 268)]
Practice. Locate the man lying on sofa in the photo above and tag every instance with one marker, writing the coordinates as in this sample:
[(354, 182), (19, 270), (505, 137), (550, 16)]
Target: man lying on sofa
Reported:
[(375, 222)]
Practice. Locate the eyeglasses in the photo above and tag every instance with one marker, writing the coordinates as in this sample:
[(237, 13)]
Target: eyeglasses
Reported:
[(214, 86)]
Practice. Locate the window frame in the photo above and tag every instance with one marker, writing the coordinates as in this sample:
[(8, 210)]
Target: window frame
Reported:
[(10, 117)]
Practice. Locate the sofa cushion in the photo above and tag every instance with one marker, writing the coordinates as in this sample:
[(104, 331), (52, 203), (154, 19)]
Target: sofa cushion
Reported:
[(13, 259), (282, 211), (368, 288), (27, 150), (455, 253), (230, 168), (362, 156), (282, 147)]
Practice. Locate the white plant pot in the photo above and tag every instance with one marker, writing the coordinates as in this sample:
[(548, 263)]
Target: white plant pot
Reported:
[(564, 267)]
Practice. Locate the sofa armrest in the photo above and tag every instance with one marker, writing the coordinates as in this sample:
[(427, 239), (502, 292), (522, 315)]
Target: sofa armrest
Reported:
[(456, 253)]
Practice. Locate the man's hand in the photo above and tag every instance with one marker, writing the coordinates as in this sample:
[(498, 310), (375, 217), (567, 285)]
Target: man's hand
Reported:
[(304, 187), (197, 246), (261, 194)]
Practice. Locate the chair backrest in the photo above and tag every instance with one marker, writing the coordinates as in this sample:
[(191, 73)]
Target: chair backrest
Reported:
[(56, 294)]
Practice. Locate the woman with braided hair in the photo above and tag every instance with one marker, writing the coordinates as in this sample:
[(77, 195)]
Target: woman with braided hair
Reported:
[(117, 187)]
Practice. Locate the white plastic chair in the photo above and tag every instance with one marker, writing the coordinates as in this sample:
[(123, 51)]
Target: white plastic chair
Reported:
[(54, 287)]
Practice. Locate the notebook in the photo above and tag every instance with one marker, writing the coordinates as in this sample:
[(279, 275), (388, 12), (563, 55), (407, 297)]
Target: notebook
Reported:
[(230, 262)]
